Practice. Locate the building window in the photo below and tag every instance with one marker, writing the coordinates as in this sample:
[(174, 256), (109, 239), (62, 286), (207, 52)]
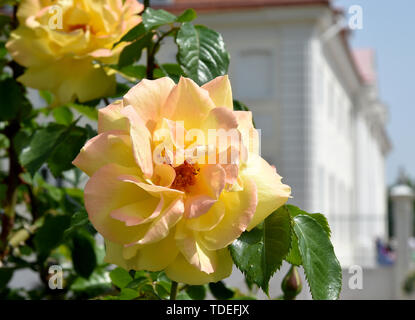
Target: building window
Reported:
[(253, 75)]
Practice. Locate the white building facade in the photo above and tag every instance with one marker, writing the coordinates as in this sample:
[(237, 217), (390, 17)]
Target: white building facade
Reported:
[(318, 109)]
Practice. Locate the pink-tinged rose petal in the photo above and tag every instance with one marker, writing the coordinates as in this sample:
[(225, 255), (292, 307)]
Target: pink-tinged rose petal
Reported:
[(104, 193), (189, 103), (140, 137), (140, 212), (272, 193), (210, 181), (220, 91), (209, 220), (250, 136), (148, 97), (198, 205), (107, 147), (240, 208), (110, 118), (182, 271), (220, 118), (159, 228), (155, 191)]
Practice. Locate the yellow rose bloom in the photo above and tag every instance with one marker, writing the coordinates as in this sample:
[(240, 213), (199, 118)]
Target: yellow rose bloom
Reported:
[(168, 190), (57, 41)]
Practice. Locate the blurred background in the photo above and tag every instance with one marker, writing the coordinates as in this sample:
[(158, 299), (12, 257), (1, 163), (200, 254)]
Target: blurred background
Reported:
[(330, 84)]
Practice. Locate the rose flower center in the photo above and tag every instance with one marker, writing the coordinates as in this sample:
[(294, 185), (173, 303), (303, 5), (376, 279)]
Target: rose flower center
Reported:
[(185, 176)]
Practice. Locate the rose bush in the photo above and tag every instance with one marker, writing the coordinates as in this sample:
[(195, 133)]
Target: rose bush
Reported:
[(59, 58), (179, 213)]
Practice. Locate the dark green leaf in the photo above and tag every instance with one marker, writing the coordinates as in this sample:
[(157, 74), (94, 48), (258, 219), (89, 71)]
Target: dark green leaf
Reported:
[(136, 32), (153, 19), (202, 54), (98, 283), (187, 16), (260, 252), (132, 52), (42, 145), (66, 151), (83, 254), (322, 269), (196, 292), (13, 102), (5, 276), (50, 234), (120, 277), (220, 291)]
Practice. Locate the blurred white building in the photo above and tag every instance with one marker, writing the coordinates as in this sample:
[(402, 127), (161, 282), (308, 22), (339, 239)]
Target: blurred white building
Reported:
[(317, 104)]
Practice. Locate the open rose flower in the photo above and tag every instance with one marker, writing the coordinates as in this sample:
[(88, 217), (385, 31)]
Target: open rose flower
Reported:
[(58, 40), (164, 192)]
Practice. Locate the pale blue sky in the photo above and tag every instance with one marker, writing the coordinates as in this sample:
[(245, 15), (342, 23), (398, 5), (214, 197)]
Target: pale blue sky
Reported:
[(389, 28)]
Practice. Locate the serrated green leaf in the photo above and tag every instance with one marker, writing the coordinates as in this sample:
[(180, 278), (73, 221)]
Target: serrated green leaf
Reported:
[(294, 256), (120, 277), (202, 54), (153, 19), (260, 252), (187, 16), (322, 269)]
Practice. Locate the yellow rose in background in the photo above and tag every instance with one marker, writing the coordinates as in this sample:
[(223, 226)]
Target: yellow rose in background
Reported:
[(163, 193), (59, 40)]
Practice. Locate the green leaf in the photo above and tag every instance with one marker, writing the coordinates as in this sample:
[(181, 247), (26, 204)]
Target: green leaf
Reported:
[(98, 283), (196, 292), (322, 269), (85, 110), (128, 294), (68, 148), (260, 252), (202, 54), (120, 277), (42, 145), (136, 32), (13, 102), (50, 234), (63, 115), (294, 256), (132, 52), (173, 70), (220, 291), (83, 254), (153, 19), (320, 218), (78, 220), (5, 276), (187, 16), (133, 71)]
